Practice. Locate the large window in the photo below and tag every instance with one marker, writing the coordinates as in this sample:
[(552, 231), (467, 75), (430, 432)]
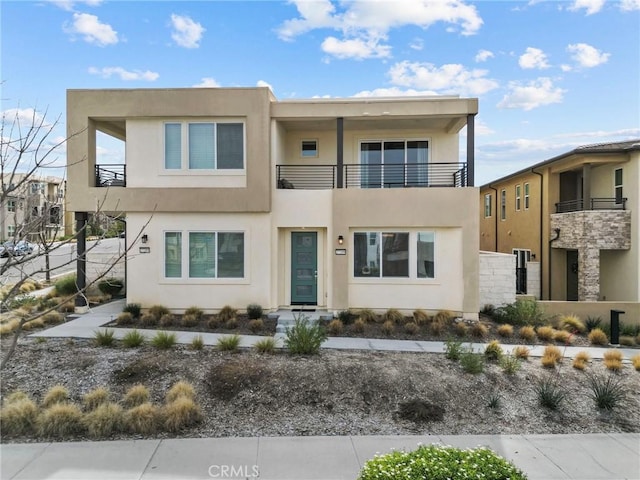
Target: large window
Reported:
[(208, 146), (618, 185), (208, 255), (389, 254), (487, 205), (393, 164)]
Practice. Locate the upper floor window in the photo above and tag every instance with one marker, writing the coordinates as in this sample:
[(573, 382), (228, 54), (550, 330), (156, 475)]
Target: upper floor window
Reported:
[(526, 196), (11, 205), (518, 196), (392, 164), (487, 205), (309, 148), (503, 204), (208, 146), (618, 185)]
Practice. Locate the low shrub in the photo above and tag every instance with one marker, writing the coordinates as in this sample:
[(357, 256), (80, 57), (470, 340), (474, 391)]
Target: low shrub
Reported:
[(125, 318), (367, 315), (420, 317), (136, 395), (550, 393), (347, 316), (411, 328), (436, 325), (627, 341), (453, 349), (439, 462), (613, 355), (194, 312), (635, 360), (305, 337), (418, 411), (36, 323), (180, 389), (562, 336), (66, 286), (95, 398), (629, 329), (166, 320), (359, 326), (148, 320), (231, 324), (143, 419), (479, 330), (158, 311), (545, 333), (445, 317), (256, 325), (523, 312), (505, 330), (510, 364), (228, 343), (265, 345), (335, 327), (214, 322), (552, 352), (606, 391), (460, 329), (227, 313), (493, 351), (592, 322), (105, 420), (521, 352), (583, 356), (133, 339), (56, 394), (52, 318), (60, 420), (527, 333), (18, 417), (197, 343), (612, 364), (189, 320), (254, 311), (135, 309), (9, 327), (495, 402), (393, 315), (111, 286), (471, 362), (164, 340), (181, 413), (598, 337), (388, 327), (572, 323), (581, 360)]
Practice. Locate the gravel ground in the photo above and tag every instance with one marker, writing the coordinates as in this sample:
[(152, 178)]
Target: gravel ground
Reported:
[(334, 393)]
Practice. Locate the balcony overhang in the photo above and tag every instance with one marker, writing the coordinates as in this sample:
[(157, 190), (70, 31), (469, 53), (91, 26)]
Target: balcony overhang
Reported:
[(597, 229)]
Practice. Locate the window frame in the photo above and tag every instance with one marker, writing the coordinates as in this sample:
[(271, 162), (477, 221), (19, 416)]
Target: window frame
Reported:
[(487, 205), (618, 186), (503, 205), (407, 181), (11, 206), (316, 150), (526, 195), (518, 197)]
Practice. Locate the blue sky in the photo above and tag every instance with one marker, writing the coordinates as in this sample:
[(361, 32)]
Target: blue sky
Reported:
[(549, 75)]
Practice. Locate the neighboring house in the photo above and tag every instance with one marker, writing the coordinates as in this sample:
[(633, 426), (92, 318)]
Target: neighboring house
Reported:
[(33, 208), (578, 214), (335, 203)]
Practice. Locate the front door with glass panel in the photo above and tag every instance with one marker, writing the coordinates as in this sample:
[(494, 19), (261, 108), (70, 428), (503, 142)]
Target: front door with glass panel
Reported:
[(304, 268)]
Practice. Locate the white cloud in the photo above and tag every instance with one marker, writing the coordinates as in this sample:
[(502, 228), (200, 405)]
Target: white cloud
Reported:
[(395, 92), (604, 135), (418, 44), (207, 82), (70, 4), (566, 68), (532, 95), (533, 58), (357, 48), (92, 30), (186, 33), (262, 83), (629, 5), (587, 56), (126, 75), (448, 79), (363, 22), (483, 55), (591, 6), (22, 116)]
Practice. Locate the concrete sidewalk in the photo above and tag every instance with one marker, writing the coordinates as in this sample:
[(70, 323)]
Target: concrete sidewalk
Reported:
[(579, 457)]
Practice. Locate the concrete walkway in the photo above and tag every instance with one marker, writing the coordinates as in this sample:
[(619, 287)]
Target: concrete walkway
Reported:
[(85, 326), (579, 457)]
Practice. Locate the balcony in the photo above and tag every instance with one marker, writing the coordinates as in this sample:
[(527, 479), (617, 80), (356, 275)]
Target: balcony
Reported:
[(323, 177), (111, 175), (593, 204)]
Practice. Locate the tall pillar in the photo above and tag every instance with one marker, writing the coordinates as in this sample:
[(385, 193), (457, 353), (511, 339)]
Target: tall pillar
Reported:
[(588, 274), (81, 262), (471, 142)]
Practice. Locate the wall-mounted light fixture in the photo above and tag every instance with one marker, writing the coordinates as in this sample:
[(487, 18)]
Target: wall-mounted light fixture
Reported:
[(340, 239), (144, 238), (533, 256)]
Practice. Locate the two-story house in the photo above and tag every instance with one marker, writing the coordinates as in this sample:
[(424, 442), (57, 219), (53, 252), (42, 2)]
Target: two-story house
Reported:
[(578, 215), (239, 198)]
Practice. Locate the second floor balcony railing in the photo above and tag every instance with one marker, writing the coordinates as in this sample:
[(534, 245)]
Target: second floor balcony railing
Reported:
[(372, 175), (111, 175), (599, 203)]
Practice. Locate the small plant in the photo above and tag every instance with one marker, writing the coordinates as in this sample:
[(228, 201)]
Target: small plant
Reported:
[(471, 362), (254, 311), (104, 420), (265, 345), (179, 389), (18, 416), (635, 360), (166, 320), (479, 330), (149, 320), (367, 315), (460, 329), (256, 325), (598, 337), (359, 326), (346, 316), (197, 343), (335, 327), (411, 328), (164, 340), (37, 323), (195, 312), (133, 308), (231, 324), (527, 333), (505, 330), (181, 413), (304, 337), (436, 326), (493, 351), (110, 286), (213, 323), (227, 313), (60, 420), (133, 339), (510, 364), (228, 343), (545, 333), (418, 410), (189, 320), (420, 317), (388, 327), (143, 419), (562, 336), (56, 394), (52, 318), (572, 323), (629, 329), (66, 286), (581, 360), (550, 394), (136, 395), (627, 341), (393, 315), (453, 349), (606, 391), (592, 322), (95, 398), (521, 352), (158, 311), (523, 312), (551, 356), (494, 402), (613, 355), (104, 338), (443, 316), (125, 318)]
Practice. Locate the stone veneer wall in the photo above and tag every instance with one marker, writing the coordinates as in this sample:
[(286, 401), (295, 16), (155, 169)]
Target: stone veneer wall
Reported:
[(497, 279), (589, 232)]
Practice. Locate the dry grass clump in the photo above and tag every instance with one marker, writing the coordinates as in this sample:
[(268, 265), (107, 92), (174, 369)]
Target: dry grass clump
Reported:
[(30, 325), (562, 336), (627, 340), (149, 320), (197, 343), (359, 325), (581, 360), (9, 327), (181, 413), (367, 315), (256, 325), (598, 337), (493, 350), (95, 398), (227, 313), (56, 394), (411, 328), (180, 389), (19, 415), (436, 325), (635, 360), (213, 322), (52, 318), (572, 323), (443, 316), (613, 355), (144, 419), (136, 395), (521, 352), (461, 329), (505, 330), (105, 420), (335, 327), (479, 330), (167, 320), (393, 315), (420, 317), (551, 356), (388, 327), (125, 318), (16, 396), (527, 333), (158, 311), (265, 345), (60, 420), (613, 360), (189, 320), (545, 333), (197, 312)]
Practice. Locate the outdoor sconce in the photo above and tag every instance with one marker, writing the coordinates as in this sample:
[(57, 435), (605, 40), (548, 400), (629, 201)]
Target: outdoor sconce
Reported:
[(340, 239), (144, 238), (533, 256)]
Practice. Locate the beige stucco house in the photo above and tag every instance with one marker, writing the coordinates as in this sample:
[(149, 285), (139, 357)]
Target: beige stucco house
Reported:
[(577, 215), (233, 197)]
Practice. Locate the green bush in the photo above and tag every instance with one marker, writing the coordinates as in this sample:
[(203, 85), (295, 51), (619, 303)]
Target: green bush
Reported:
[(453, 349), (471, 362), (510, 364), (164, 340), (110, 286), (66, 286), (592, 322), (104, 338), (197, 343), (607, 392), (195, 312), (133, 308), (228, 343), (254, 311), (437, 462), (305, 337), (265, 345), (550, 394), (522, 312), (133, 339), (493, 351)]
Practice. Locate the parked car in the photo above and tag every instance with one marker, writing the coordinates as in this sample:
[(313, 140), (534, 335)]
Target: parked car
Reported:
[(6, 249), (23, 248)]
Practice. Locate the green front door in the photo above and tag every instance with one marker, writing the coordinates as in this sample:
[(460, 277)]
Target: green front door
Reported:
[(304, 268)]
